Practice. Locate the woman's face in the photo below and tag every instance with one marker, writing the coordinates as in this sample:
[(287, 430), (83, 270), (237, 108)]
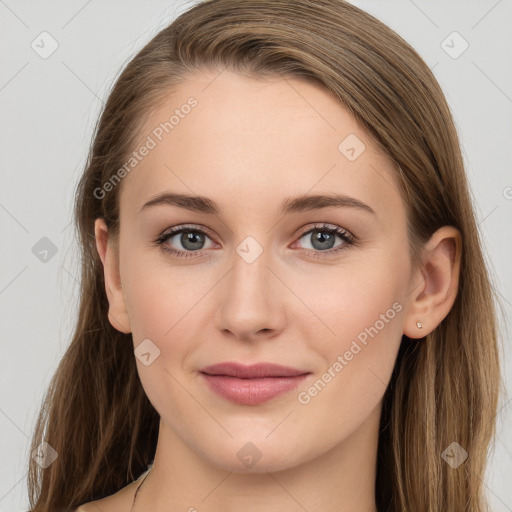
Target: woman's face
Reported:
[(260, 280)]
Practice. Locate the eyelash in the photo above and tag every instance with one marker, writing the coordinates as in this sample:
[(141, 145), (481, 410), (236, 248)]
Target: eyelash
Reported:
[(347, 238)]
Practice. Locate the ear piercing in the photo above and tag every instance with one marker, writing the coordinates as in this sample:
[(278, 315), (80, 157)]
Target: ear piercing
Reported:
[(419, 324)]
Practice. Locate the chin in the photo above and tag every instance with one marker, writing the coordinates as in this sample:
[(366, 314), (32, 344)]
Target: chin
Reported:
[(268, 464), (247, 456)]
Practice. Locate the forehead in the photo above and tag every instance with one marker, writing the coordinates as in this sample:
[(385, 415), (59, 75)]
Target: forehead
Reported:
[(250, 141)]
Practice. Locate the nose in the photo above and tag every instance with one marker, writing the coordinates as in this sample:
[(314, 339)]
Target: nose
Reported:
[(251, 300)]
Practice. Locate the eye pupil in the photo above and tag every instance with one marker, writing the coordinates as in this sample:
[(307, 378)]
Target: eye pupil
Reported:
[(324, 239), (190, 238)]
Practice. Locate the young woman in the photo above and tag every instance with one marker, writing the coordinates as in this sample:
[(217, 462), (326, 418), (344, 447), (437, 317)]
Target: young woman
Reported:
[(284, 303)]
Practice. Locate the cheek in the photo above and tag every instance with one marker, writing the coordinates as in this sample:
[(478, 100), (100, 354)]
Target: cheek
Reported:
[(156, 293), (160, 304), (164, 303), (357, 360), (362, 322), (150, 303)]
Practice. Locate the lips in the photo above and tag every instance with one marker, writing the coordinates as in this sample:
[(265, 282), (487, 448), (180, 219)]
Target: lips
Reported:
[(259, 370), (252, 385)]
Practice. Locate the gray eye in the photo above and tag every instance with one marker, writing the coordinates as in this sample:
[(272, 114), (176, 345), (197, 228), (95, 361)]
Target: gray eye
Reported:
[(320, 239)]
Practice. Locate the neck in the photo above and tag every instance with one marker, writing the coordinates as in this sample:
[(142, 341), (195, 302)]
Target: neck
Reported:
[(341, 479)]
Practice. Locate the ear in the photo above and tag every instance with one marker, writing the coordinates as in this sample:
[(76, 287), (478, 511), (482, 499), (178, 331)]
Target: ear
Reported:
[(117, 313), (435, 283)]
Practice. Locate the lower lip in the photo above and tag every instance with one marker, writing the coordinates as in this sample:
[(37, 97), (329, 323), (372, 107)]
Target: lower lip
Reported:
[(252, 391)]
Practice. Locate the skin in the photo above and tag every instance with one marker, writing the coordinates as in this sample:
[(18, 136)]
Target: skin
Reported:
[(248, 145)]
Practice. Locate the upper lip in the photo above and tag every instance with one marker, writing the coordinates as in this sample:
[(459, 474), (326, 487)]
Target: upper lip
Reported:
[(254, 371)]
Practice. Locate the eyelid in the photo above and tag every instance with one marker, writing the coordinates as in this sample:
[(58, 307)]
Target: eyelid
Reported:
[(302, 231), (174, 230), (328, 227)]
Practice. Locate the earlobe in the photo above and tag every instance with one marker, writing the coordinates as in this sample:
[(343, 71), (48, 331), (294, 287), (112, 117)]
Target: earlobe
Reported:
[(438, 277), (117, 313)]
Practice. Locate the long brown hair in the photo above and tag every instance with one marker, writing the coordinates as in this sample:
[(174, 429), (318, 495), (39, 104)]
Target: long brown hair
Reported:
[(443, 389)]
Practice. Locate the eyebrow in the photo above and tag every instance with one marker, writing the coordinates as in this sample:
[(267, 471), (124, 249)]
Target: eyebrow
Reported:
[(201, 204)]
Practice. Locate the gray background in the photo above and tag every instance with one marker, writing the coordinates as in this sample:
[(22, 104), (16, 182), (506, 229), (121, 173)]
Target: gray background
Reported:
[(48, 110)]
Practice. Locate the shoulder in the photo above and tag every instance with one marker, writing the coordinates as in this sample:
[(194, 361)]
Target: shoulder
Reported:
[(121, 500), (87, 507), (93, 506)]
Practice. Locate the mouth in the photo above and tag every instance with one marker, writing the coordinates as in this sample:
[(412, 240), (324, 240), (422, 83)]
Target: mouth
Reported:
[(252, 385)]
